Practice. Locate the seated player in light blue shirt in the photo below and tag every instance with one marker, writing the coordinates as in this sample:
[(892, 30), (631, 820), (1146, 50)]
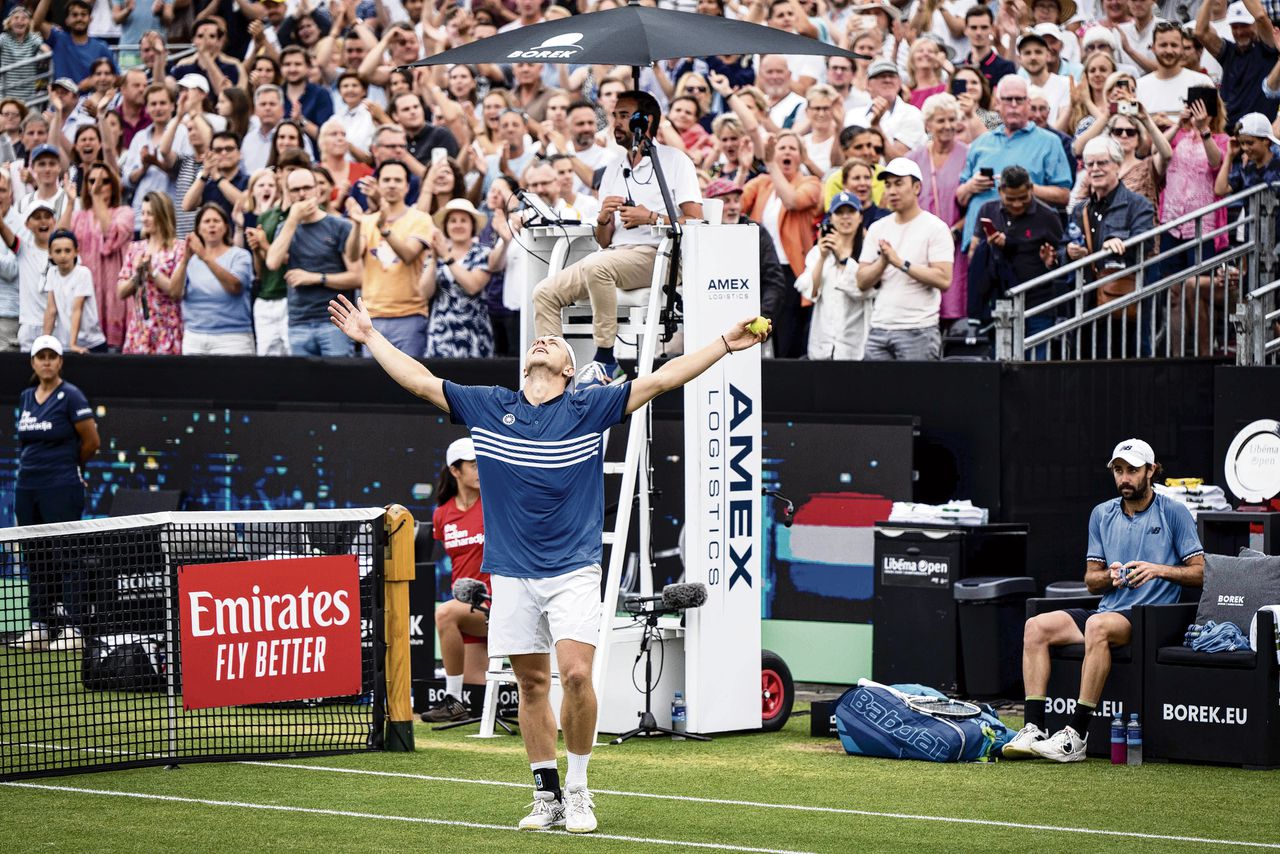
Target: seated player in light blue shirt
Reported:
[(1143, 548), (538, 451)]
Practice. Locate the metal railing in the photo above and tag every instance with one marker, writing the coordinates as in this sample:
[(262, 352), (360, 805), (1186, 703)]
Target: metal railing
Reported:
[(1258, 327), (44, 77), (1207, 308)]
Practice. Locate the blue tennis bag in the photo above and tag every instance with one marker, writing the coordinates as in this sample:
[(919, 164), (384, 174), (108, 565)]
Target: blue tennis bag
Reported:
[(872, 720)]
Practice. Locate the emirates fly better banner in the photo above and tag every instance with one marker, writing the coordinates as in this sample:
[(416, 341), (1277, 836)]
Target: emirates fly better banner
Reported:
[(266, 630)]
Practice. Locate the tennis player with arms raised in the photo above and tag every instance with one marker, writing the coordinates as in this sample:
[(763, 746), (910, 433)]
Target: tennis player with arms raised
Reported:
[(542, 486)]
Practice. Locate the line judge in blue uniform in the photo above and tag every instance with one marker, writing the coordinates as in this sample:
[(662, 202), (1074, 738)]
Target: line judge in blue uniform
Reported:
[(57, 434), (542, 484)]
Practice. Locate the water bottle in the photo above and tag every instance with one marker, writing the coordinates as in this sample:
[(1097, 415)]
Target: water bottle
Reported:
[(1118, 737), (1074, 234), (679, 719), (1133, 734)]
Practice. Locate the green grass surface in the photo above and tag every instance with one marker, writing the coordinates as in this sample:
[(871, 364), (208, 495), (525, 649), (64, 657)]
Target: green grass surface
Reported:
[(782, 768)]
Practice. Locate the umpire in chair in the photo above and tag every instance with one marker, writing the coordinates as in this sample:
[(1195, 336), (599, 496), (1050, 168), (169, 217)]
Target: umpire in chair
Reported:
[(1143, 548), (631, 203)]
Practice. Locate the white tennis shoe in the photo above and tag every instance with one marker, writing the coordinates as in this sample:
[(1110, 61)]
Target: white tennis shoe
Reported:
[(68, 641), (579, 811), (1020, 746), (546, 812), (34, 639), (1065, 745)]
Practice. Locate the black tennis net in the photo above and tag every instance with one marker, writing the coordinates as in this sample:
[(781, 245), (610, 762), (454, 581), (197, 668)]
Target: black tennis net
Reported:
[(91, 628)]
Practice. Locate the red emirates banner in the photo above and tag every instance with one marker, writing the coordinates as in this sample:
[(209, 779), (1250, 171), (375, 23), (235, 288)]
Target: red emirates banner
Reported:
[(265, 630)]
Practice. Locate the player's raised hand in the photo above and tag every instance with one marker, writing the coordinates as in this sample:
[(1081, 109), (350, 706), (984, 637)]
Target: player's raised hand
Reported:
[(353, 320), (748, 333)]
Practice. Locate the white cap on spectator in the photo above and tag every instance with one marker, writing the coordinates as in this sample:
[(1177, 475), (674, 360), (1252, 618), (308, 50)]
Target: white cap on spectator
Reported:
[(1099, 34), (1048, 30), (1135, 452), (883, 6), (459, 450), (1257, 124), (41, 205), (901, 167), (46, 342), (883, 66), (1238, 14), (65, 83), (194, 81)]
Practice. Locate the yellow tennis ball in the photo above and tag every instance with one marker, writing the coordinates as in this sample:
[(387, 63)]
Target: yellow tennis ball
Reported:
[(759, 326)]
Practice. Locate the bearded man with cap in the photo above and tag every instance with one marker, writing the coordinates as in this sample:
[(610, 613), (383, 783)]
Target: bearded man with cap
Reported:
[(458, 523), (909, 256), (1143, 549)]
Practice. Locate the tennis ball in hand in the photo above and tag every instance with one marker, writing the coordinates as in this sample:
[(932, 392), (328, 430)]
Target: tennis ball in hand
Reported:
[(759, 326)]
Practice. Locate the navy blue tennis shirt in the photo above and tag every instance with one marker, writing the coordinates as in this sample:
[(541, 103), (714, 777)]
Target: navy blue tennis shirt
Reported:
[(49, 447), (541, 474)]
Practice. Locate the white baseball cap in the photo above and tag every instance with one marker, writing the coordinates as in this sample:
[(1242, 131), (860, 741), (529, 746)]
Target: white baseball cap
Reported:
[(1258, 125), (1135, 452), (460, 449), (46, 342), (194, 81), (1238, 14), (902, 168)]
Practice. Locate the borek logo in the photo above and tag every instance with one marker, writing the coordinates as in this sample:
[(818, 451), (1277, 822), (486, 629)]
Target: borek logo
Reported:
[(557, 47), (1233, 601)]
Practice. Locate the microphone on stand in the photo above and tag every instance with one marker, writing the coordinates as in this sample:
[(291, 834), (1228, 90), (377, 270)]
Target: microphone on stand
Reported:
[(471, 592), (638, 124), (675, 597)]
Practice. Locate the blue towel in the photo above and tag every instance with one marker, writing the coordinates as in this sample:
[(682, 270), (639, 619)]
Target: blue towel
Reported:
[(1216, 637)]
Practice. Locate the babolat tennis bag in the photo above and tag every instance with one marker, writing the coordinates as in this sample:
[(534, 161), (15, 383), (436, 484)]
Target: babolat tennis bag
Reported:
[(877, 720)]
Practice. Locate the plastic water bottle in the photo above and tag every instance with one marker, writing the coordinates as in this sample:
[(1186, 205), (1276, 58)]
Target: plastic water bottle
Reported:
[(679, 718), (1133, 737), (1118, 737), (1074, 234)]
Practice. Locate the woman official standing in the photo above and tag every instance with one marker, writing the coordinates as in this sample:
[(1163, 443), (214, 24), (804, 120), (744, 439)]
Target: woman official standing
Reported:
[(57, 434), (458, 523)]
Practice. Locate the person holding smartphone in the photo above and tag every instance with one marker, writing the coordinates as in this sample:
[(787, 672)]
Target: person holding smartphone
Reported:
[(1019, 238)]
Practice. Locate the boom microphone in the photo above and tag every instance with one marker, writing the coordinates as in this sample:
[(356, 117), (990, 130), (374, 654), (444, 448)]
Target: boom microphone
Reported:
[(471, 592), (675, 597), (638, 124)]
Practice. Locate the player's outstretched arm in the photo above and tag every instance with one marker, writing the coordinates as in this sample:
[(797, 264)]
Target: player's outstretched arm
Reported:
[(684, 368), (355, 322)]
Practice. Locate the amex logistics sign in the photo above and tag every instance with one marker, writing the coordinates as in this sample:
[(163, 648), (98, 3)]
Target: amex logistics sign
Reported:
[(260, 631)]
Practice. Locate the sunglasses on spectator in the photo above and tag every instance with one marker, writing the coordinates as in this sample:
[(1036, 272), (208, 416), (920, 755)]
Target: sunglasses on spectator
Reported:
[(224, 149), (1013, 99), (696, 89), (1124, 131)]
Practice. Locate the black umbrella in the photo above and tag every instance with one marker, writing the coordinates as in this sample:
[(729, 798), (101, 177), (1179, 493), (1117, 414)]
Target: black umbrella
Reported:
[(632, 35)]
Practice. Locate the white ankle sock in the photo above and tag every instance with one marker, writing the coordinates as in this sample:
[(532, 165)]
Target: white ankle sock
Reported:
[(453, 685), (576, 776)]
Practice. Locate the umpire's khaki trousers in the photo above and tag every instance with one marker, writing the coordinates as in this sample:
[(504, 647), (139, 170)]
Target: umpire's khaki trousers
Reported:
[(597, 276)]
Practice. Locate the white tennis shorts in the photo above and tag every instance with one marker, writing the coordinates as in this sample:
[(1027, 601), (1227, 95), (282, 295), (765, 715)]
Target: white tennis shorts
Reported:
[(531, 615)]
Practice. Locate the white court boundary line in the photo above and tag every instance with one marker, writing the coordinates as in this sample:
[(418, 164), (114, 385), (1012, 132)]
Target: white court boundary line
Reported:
[(403, 818), (1128, 834)]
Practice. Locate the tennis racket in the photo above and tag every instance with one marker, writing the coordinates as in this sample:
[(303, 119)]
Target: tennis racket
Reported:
[(942, 707)]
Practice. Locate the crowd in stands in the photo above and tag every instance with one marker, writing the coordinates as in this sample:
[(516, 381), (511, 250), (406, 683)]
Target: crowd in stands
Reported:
[(213, 200)]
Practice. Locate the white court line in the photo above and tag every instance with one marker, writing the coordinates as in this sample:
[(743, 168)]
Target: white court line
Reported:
[(405, 818), (68, 748), (797, 807)]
